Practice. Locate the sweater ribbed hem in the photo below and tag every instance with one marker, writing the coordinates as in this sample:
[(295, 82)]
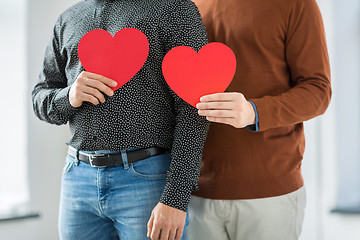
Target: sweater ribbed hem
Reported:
[(236, 189)]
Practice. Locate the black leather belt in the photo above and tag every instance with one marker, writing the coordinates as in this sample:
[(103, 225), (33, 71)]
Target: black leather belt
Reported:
[(107, 160)]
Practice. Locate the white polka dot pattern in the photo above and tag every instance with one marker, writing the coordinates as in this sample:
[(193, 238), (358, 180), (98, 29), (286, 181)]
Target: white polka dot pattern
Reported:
[(145, 111)]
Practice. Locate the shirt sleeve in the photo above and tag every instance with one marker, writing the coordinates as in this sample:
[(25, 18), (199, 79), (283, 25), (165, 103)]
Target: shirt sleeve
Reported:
[(185, 27), (50, 95), (308, 62), (254, 127)]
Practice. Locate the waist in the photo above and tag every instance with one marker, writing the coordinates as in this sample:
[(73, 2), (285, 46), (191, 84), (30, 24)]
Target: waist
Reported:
[(108, 158)]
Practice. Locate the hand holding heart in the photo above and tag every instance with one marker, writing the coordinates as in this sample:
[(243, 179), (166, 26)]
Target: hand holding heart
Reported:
[(90, 87), (228, 108)]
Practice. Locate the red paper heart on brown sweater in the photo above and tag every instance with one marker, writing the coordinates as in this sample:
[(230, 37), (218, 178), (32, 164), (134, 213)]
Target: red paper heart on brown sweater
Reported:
[(192, 75)]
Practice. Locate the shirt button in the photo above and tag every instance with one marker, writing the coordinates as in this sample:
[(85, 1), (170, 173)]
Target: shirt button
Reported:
[(95, 138)]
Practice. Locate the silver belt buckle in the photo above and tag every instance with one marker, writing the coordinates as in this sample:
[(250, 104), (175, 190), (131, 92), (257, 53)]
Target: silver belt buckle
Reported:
[(91, 156)]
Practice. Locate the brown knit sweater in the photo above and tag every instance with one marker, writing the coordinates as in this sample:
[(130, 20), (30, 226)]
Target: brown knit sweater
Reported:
[(283, 67)]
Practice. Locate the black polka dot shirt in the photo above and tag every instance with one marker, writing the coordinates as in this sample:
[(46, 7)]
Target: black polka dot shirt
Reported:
[(144, 112)]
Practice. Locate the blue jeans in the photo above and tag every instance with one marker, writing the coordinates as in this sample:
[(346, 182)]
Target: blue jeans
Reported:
[(113, 202)]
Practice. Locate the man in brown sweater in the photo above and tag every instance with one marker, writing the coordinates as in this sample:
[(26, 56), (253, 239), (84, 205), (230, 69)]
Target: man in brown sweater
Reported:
[(251, 186)]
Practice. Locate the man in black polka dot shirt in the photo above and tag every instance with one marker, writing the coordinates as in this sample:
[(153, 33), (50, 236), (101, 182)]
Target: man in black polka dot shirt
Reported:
[(142, 117)]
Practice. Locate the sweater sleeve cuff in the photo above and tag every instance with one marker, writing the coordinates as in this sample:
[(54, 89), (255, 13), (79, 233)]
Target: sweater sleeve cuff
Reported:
[(62, 103), (254, 127), (176, 196), (267, 115)]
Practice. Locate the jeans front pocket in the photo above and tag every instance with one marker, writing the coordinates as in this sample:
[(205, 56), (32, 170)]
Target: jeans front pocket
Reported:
[(155, 167)]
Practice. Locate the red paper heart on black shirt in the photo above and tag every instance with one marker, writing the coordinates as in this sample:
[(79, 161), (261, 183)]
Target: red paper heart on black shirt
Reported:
[(118, 58)]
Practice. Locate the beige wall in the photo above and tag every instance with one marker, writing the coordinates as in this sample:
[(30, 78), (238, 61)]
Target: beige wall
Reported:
[(47, 149)]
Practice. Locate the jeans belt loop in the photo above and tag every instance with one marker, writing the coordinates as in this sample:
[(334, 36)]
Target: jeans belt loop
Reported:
[(124, 159), (76, 162)]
